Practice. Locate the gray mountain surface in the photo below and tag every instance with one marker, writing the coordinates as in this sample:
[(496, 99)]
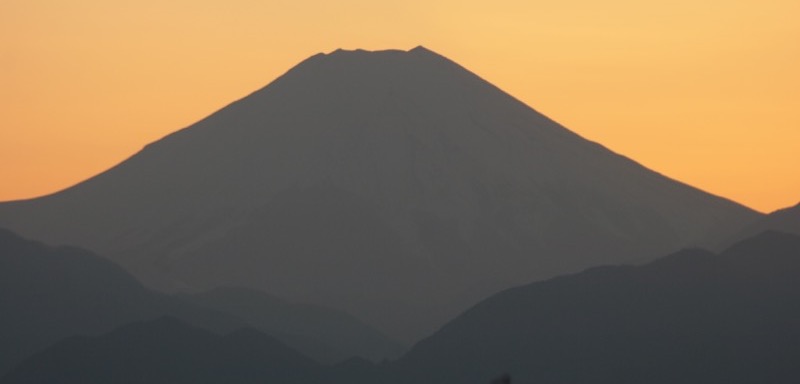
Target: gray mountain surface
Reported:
[(394, 185), (782, 220), (50, 293), (167, 351), (691, 317), (47, 294), (327, 335)]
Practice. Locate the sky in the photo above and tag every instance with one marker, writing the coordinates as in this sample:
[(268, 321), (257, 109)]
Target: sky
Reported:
[(707, 92)]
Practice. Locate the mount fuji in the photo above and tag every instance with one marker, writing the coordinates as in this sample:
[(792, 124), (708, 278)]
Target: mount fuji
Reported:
[(395, 185)]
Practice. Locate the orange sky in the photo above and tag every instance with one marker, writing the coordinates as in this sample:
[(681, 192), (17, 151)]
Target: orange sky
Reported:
[(705, 92)]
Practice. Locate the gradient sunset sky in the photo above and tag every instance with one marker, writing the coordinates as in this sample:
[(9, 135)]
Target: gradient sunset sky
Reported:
[(706, 92)]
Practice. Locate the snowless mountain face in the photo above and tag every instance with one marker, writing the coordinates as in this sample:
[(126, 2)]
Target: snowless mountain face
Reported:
[(690, 317), (395, 185), (48, 294), (168, 351)]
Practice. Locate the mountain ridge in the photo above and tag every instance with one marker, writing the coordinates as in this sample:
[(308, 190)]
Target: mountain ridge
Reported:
[(165, 350), (471, 190), (50, 293), (782, 220), (693, 317)]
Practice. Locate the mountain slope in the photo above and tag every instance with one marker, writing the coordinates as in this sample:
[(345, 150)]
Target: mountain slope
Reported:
[(366, 181), (783, 220), (692, 317), (327, 335), (47, 294), (167, 351)]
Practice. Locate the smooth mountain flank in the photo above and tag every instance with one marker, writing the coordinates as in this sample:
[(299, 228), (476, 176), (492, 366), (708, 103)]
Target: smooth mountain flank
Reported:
[(396, 186)]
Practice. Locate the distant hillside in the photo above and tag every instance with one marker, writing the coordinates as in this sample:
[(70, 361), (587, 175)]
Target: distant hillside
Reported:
[(49, 293), (169, 352), (783, 220), (327, 335), (692, 317)]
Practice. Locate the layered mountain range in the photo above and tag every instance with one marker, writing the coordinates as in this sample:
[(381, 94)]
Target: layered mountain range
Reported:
[(785, 220), (690, 317), (394, 185), (51, 293)]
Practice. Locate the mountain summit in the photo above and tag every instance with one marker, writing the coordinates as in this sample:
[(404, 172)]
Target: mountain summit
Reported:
[(395, 185)]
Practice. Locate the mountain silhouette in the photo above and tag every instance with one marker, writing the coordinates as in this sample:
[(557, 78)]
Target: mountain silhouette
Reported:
[(167, 351), (47, 294), (782, 220), (327, 335), (691, 317), (394, 185)]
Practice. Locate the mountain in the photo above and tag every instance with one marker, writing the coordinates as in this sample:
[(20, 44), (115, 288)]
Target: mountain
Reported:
[(167, 351), (47, 294), (783, 220), (327, 335), (394, 185), (50, 293), (692, 317)]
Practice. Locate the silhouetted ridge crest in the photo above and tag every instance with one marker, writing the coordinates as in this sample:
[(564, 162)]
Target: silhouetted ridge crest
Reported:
[(167, 351), (786, 220), (692, 317)]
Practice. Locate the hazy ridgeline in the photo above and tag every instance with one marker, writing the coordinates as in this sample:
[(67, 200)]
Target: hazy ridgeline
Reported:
[(690, 317)]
